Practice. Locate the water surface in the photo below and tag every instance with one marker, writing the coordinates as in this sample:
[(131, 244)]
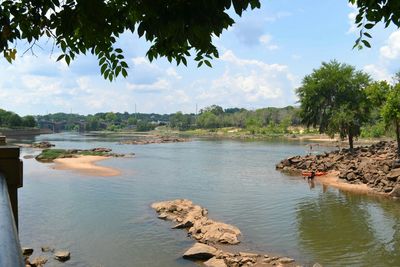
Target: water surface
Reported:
[(107, 221)]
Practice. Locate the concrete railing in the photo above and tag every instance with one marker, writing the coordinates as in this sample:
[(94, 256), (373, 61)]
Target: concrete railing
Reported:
[(10, 248), (10, 181)]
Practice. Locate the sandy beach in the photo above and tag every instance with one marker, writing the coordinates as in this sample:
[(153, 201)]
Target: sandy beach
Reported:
[(85, 165)]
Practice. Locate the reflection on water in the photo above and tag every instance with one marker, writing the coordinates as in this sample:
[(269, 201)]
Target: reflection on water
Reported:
[(109, 222), (353, 230)]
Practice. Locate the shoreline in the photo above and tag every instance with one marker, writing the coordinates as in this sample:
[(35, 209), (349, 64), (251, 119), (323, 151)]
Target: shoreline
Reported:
[(331, 179), (85, 165)]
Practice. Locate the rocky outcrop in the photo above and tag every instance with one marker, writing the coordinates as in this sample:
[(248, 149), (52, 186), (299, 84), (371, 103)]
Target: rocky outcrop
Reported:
[(200, 252), (155, 140), (44, 144), (194, 219), (376, 165), (211, 234)]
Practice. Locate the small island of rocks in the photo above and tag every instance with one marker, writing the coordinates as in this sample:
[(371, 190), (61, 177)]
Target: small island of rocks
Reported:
[(211, 236), (377, 167)]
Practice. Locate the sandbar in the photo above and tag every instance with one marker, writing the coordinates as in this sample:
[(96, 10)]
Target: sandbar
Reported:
[(332, 179), (85, 165)]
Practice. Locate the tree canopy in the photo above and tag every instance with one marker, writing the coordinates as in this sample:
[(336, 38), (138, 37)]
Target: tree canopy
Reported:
[(333, 98), (175, 29), (391, 112)]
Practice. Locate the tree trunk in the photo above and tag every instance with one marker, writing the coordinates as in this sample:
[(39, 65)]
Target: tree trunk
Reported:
[(398, 137), (351, 140)]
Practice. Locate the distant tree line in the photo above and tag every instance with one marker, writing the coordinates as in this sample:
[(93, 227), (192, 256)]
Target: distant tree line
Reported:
[(260, 121), (10, 119), (104, 121)]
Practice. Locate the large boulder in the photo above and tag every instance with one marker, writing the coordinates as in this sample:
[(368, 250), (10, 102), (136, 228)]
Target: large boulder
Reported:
[(395, 192), (200, 251), (62, 255)]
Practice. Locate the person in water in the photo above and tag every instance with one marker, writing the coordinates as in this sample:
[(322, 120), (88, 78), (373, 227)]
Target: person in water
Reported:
[(311, 176)]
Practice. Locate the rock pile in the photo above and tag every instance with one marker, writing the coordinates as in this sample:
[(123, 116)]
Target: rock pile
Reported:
[(156, 140), (194, 218), (44, 144), (210, 234), (377, 166), (41, 260)]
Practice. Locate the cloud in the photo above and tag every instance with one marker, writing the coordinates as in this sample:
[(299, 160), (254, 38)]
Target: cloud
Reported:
[(277, 16), (351, 18), (156, 87), (248, 82), (391, 50), (265, 40), (378, 72)]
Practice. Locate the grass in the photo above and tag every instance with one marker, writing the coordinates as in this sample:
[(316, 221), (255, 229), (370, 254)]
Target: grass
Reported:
[(49, 155)]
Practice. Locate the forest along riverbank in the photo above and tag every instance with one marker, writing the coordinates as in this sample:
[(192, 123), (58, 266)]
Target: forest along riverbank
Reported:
[(371, 169)]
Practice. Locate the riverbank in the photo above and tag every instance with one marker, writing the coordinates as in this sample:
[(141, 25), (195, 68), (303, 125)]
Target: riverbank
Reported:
[(86, 165), (368, 169)]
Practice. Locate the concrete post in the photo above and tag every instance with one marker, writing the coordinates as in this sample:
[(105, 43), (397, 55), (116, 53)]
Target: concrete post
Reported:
[(11, 168)]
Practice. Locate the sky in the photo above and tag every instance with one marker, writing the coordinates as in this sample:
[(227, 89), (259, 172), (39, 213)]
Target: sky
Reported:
[(263, 59)]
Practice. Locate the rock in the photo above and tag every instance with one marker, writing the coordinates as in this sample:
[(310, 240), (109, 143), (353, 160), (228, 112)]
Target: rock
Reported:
[(214, 262), (47, 249), (200, 251), (395, 192), (26, 251), (317, 265), (393, 174), (39, 261), (62, 255), (247, 254), (29, 156), (285, 260)]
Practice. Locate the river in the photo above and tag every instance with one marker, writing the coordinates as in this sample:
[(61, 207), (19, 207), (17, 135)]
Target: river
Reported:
[(107, 221)]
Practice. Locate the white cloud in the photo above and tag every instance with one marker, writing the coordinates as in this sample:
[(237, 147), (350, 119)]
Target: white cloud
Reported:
[(351, 18), (377, 72), (391, 50), (247, 82), (265, 40), (156, 87), (277, 16)]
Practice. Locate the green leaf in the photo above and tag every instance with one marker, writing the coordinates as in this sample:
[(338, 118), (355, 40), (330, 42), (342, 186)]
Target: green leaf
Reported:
[(103, 68), (67, 59), (367, 34), (118, 50), (369, 26), (366, 43), (199, 64), (208, 63), (124, 73), (60, 57)]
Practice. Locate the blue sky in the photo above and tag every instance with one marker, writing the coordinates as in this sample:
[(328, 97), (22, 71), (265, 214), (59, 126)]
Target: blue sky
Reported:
[(263, 59)]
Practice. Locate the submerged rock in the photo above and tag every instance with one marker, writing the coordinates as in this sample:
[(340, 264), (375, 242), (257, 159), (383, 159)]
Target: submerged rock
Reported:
[(27, 251)]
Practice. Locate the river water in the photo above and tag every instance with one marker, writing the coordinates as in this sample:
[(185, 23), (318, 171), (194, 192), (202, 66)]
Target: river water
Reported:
[(107, 221)]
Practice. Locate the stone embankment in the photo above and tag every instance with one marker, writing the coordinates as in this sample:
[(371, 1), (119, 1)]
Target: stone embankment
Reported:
[(155, 140), (211, 236), (376, 165)]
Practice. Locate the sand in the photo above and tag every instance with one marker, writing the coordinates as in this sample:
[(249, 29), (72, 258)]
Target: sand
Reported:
[(332, 179), (85, 165)]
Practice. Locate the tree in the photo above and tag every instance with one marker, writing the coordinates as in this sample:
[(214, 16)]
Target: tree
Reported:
[(333, 98), (180, 121), (391, 112), (175, 29), (214, 109), (29, 121)]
